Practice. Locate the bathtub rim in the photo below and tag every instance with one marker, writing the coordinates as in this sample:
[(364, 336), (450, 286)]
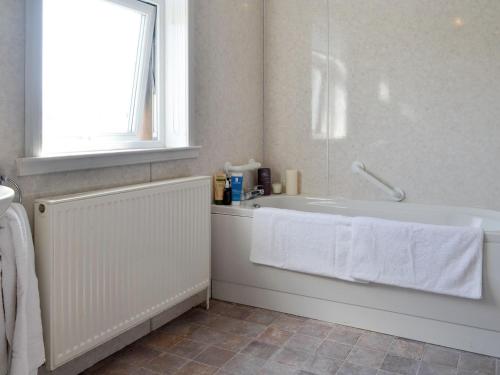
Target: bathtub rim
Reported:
[(246, 208)]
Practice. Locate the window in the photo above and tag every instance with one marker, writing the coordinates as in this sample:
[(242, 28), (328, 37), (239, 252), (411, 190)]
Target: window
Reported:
[(106, 75)]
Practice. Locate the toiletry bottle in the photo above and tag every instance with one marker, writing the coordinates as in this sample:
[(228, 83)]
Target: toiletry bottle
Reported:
[(228, 194), (237, 188), (219, 186), (264, 180)]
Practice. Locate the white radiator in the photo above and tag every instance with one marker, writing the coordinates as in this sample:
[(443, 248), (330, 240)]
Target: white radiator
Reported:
[(109, 260)]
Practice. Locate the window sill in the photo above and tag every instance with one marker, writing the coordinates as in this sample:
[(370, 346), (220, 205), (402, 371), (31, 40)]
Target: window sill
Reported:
[(74, 162)]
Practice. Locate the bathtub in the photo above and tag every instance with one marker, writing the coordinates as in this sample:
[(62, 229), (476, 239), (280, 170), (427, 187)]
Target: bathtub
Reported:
[(443, 320)]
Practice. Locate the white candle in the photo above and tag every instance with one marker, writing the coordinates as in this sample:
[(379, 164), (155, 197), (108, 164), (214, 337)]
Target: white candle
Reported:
[(277, 188), (292, 182)]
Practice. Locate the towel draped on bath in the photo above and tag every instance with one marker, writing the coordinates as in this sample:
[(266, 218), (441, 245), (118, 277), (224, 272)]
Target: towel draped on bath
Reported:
[(301, 241), (432, 258)]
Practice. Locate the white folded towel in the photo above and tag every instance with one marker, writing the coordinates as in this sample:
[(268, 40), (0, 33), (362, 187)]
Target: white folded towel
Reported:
[(307, 242), (20, 293), (439, 259)]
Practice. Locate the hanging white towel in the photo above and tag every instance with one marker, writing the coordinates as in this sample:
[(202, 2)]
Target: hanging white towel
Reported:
[(9, 284), (301, 241), (439, 259), (20, 292), (4, 346)]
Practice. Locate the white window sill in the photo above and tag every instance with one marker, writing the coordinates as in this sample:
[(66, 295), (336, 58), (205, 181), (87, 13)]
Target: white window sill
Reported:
[(74, 162)]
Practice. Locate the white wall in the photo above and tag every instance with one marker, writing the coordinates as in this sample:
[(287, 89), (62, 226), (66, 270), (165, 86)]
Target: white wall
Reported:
[(413, 90), (414, 84), (227, 83)]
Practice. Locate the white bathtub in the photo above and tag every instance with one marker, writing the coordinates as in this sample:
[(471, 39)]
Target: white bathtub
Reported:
[(443, 320)]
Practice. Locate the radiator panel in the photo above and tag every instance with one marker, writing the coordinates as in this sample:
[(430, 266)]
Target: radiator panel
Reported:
[(107, 261)]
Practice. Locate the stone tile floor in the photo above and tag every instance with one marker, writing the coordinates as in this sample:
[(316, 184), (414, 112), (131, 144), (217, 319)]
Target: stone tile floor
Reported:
[(236, 339)]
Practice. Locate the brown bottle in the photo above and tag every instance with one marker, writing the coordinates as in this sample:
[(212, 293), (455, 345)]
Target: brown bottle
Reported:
[(264, 180), (228, 194)]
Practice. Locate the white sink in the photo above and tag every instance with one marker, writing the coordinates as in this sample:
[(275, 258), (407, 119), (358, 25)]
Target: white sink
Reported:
[(6, 197)]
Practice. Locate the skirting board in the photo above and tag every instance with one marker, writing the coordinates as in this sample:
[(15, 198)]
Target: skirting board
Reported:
[(408, 326), (89, 359)]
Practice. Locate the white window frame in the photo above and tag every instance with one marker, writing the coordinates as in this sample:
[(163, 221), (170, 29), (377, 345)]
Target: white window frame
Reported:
[(148, 45), (172, 49)]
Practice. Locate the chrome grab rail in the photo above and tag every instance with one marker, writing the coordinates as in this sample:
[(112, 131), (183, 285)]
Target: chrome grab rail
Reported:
[(4, 180), (395, 193)]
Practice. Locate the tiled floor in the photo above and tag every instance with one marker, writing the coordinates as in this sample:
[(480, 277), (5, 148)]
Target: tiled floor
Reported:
[(235, 339)]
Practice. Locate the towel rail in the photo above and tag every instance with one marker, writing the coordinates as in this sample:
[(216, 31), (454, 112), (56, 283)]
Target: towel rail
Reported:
[(395, 193), (4, 180)]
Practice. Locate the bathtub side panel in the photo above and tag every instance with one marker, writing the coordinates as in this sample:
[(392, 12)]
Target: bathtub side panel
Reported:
[(231, 238), (230, 264)]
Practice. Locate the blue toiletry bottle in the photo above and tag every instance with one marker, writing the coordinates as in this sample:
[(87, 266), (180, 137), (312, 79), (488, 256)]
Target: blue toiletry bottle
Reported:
[(237, 188)]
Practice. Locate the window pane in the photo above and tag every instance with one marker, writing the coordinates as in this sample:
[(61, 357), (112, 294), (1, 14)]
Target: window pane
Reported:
[(92, 61)]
